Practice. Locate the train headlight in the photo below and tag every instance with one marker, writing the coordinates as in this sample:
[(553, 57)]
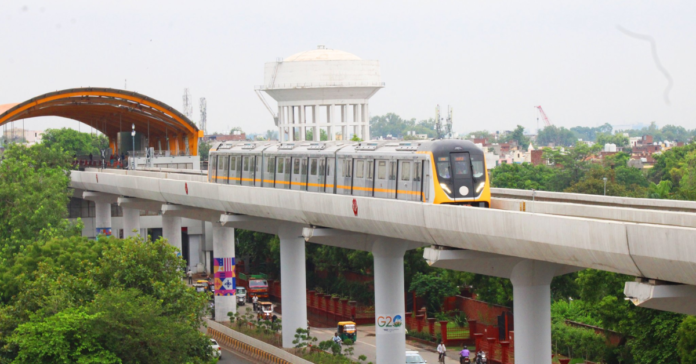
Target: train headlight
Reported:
[(479, 188), (444, 187)]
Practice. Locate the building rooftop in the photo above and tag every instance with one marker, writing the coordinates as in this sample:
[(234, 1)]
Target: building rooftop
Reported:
[(322, 54)]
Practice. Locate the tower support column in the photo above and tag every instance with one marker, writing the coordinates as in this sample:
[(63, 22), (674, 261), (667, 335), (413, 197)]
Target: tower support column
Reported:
[(531, 290), (131, 222), (293, 281), (171, 230), (389, 301), (224, 271)]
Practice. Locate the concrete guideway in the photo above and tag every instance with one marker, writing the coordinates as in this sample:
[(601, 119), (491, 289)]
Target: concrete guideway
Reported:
[(619, 247), (528, 245)]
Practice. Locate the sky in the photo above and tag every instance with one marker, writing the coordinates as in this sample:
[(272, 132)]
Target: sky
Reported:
[(492, 62)]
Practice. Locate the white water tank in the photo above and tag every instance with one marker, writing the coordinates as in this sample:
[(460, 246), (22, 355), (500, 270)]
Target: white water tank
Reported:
[(610, 147)]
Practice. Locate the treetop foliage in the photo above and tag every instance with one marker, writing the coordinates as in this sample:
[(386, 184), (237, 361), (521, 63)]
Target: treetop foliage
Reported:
[(74, 142)]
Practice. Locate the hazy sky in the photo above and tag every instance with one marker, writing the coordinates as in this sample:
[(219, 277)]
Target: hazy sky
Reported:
[(492, 62)]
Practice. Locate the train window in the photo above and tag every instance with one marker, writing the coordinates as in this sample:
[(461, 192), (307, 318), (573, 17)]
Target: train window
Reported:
[(382, 170), (406, 171), (477, 165), (313, 167), (233, 163), (321, 167), (304, 167), (392, 171), (280, 165), (417, 171), (461, 164), (346, 167), (443, 170), (370, 169), (359, 169), (296, 166), (257, 163), (246, 164), (252, 163), (271, 165)]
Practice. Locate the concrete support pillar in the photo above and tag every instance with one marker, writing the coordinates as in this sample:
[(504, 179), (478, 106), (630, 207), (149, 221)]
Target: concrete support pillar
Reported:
[(224, 270), (303, 123), (293, 281), (331, 111), (102, 220), (315, 116), (171, 230), (357, 120), (131, 222), (366, 117), (344, 122), (389, 301), (531, 284)]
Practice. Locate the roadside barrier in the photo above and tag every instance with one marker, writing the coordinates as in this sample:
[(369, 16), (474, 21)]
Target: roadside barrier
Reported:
[(250, 346)]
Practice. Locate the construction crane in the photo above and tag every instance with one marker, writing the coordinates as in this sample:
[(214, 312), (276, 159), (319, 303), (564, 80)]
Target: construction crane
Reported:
[(543, 114)]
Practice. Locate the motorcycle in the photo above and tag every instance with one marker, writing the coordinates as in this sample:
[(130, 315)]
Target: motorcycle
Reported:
[(481, 358)]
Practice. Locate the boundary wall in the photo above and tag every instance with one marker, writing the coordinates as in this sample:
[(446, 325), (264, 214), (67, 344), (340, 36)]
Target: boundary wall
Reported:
[(254, 348)]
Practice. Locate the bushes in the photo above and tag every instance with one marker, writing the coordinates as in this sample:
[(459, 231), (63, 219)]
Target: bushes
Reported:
[(578, 342)]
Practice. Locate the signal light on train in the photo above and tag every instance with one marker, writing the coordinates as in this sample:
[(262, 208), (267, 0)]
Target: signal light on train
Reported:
[(480, 187), (444, 187)]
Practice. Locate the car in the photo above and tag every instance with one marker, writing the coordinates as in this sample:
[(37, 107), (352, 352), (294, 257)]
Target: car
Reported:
[(217, 351), (413, 357)]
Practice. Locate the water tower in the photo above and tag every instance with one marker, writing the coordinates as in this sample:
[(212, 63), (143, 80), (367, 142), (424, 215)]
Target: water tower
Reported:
[(322, 89)]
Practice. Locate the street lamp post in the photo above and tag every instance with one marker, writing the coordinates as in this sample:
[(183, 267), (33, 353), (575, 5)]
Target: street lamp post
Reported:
[(605, 185), (133, 138)]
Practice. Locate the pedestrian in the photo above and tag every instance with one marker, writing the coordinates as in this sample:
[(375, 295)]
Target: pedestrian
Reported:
[(273, 318), (337, 340), (90, 157), (441, 350), (189, 274), (255, 301)]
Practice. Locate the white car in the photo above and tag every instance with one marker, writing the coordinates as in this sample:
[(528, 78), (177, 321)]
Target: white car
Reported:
[(217, 352), (412, 357)]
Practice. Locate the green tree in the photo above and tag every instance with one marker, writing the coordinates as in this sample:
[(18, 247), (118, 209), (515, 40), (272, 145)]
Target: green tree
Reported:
[(433, 288), (619, 139), (590, 133), (33, 194), (518, 136), (72, 340), (524, 176), (687, 340), (323, 136), (204, 150), (559, 136), (394, 125), (74, 142)]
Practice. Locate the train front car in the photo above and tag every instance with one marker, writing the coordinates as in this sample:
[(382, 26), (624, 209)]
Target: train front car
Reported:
[(459, 173)]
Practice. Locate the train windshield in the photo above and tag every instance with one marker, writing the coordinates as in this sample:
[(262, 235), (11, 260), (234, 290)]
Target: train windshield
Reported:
[(443, 167), (461, 164), (477, 165)]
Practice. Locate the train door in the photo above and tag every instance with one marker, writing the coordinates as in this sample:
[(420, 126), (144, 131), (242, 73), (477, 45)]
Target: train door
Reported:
[(370, 177), (382, 189), (222, 169), (296, 177), (418, 180), (281, 179), (330, 183), (258, 171), (359, 183), (212, 175), (236, 170), (313, 181), (405, 182), (344, 173), (247, 170), (269, 174), (304, 173), (461, 175)]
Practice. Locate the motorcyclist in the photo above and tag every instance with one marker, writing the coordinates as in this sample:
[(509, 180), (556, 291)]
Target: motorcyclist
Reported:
[(337, 340), (480, 358), (464, 355)]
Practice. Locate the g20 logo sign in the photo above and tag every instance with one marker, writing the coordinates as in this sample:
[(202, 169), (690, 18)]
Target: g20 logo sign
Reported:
[(389, 321)]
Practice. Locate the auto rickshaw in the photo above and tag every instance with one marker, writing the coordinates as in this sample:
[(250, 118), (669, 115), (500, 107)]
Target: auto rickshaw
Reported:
[(201, 286), (265, 310), (347, 330)]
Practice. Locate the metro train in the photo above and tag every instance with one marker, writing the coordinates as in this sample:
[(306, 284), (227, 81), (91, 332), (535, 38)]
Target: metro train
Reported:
[(433, 171)]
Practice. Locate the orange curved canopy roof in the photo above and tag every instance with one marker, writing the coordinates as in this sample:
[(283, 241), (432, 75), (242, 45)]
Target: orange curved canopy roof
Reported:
[(111, 111)]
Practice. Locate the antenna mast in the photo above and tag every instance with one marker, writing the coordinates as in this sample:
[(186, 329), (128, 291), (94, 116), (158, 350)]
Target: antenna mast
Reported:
[(438, 124), (204, 115), (188, 107), (448, 125)]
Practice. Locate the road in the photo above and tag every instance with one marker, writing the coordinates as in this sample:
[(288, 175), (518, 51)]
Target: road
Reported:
[(229, 357)]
